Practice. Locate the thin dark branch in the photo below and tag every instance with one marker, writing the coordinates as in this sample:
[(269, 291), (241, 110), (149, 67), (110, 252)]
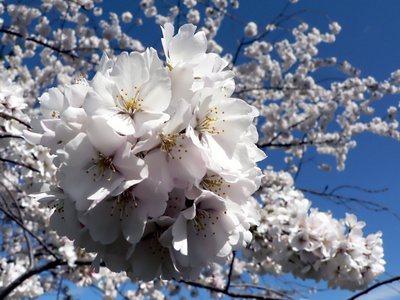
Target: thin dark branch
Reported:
[(343, 186), (66, 52), (233, 293), (19, 164), (37, 270), (120, 292), (260, 287), (341, 199), (240, 45), (276, 88), (6, 204), (228, 284), (273, 22), (26, 234), (80, 5), (4, 136), (12, 217), (270, 143), (299, 143), (301, 160), (366, 291), (8, 117), (223, 11)]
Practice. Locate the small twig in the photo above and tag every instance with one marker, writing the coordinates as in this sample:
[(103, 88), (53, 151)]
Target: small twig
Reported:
[(37, 270), (232, 293), (58, 50), (240, 45), (340, 199), (254, 286), (12, 217), (120, 292), (19, 164), (7, 117), (233, 17), (358, 188), (228, 284), (273, 22), (299, 143), (77, 3), (270, 144), (366, 291), (4, 136), (26, 235), (301, 160)]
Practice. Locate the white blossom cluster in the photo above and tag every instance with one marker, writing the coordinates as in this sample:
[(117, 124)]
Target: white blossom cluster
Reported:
[(155, 163), (294, 238), (122, 182), (300, 112)]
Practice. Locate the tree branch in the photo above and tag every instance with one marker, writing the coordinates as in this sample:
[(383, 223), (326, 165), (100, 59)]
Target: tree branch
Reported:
[(228, 284), (4, 136), (366, 291), (12, 217), (254, 286), (26, 235), (19, 164), (235, 294), (341, 199), (8, 117), (37, 270), (32, 39)]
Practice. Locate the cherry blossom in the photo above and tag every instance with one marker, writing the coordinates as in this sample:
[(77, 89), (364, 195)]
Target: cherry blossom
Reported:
[(121, 163)]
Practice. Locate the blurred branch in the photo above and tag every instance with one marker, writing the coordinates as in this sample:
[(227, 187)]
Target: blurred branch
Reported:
[(260, 287), (366, 291), (228, 284), (341, 199), (3, 136), (291, 127), (222, 11), (26, 235), (19, 164), (56, 49), (37, 270), (241, 295), (8, 117), (12, 217)]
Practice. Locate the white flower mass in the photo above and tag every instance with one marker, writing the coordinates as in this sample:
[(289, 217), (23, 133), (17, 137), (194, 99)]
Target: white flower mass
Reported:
[(156, 161), (139, 172)]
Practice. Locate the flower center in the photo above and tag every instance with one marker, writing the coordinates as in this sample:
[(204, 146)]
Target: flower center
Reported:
[(124, 203), (216, 184), (208, 125), (170, 144), (204, 222), (129, 104), (101, 166)]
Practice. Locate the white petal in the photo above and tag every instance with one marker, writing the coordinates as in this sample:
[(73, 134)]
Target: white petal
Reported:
[(103, 137)]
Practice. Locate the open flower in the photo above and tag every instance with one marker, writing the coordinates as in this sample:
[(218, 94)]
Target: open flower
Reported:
[(134, 96), (98, 163), (206, 231)]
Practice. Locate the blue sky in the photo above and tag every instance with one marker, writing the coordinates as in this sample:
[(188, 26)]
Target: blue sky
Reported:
[(370, 41)]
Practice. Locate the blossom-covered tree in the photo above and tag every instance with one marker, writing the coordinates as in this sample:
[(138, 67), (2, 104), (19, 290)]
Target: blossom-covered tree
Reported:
[(123, 163)]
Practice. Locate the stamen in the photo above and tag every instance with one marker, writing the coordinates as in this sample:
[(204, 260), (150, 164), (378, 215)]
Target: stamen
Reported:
[(125, 202), (129, 106), (100, 166)]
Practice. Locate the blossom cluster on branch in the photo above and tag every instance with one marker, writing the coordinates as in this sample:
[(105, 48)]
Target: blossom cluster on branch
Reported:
[(149, 166), (292, 238), (155, 163)]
